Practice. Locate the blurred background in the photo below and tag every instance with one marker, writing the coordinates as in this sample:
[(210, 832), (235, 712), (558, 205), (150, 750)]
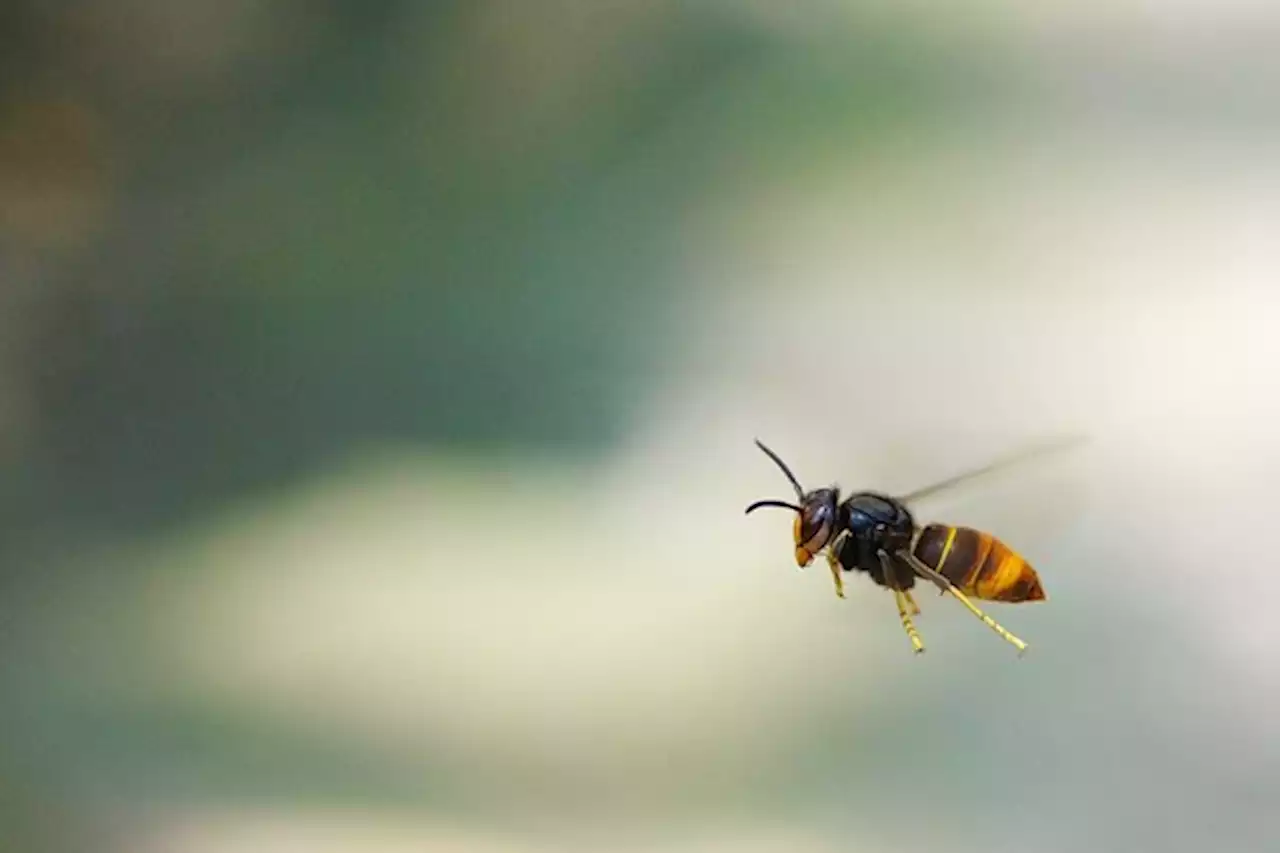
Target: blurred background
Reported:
[(378, 385)]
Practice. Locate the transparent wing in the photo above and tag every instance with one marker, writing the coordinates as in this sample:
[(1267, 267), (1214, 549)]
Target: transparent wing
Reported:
[(1022, 456)]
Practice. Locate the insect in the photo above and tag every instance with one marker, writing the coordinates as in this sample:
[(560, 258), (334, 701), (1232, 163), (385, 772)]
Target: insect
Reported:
[(877, 533)]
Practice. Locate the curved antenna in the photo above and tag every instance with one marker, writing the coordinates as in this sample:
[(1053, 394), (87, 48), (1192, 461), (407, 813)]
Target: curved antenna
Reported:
[(998, 465), (782, 504), (777, 461)]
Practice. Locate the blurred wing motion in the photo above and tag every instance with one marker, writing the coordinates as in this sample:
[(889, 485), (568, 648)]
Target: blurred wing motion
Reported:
[(994, 467), (977, 563)]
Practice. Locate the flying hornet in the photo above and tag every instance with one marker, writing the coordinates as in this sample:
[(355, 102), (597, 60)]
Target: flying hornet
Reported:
[(878, 534)]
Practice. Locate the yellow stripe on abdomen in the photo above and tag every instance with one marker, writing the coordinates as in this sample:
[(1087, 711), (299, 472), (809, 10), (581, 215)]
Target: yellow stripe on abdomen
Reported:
[(946, 550)]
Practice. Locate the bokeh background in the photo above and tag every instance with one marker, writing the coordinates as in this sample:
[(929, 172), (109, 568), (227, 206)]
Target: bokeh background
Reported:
[(378, 385)]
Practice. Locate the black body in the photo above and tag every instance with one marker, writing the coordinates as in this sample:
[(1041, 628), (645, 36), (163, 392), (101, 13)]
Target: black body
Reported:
[(874, 533), (877, 525), (866, 532)]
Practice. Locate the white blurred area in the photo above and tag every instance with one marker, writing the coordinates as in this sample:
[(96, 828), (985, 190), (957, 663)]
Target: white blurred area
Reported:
[(604, 645), (616, 651)]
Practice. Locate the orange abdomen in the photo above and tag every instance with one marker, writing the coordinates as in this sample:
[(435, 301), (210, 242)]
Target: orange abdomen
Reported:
[(978, 563)]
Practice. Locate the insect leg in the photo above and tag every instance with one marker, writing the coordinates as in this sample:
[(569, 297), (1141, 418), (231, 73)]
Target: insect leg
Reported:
[(929, 574), (907, 624), (833, 560), (886, 563), (915, 608)]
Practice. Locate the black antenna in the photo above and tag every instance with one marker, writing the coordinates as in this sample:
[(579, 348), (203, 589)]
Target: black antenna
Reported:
[(777, 461), (782, 504)]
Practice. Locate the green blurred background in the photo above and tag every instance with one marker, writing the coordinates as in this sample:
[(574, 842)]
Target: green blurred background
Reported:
[(378, 385)]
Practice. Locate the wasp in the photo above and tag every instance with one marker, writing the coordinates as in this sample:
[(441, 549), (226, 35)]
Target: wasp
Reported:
[(877, 533)]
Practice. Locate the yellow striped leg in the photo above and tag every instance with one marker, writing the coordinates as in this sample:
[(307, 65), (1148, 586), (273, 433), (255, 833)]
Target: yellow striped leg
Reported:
[(990, 623), (942, 582), (834, 562), (907, 625), (890, 579), (915, 608)]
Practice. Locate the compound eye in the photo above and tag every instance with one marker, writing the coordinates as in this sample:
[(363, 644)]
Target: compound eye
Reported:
[(813, 529)]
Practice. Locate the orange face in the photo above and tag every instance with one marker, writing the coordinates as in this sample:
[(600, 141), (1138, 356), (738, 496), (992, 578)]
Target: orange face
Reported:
[(803, 555)]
